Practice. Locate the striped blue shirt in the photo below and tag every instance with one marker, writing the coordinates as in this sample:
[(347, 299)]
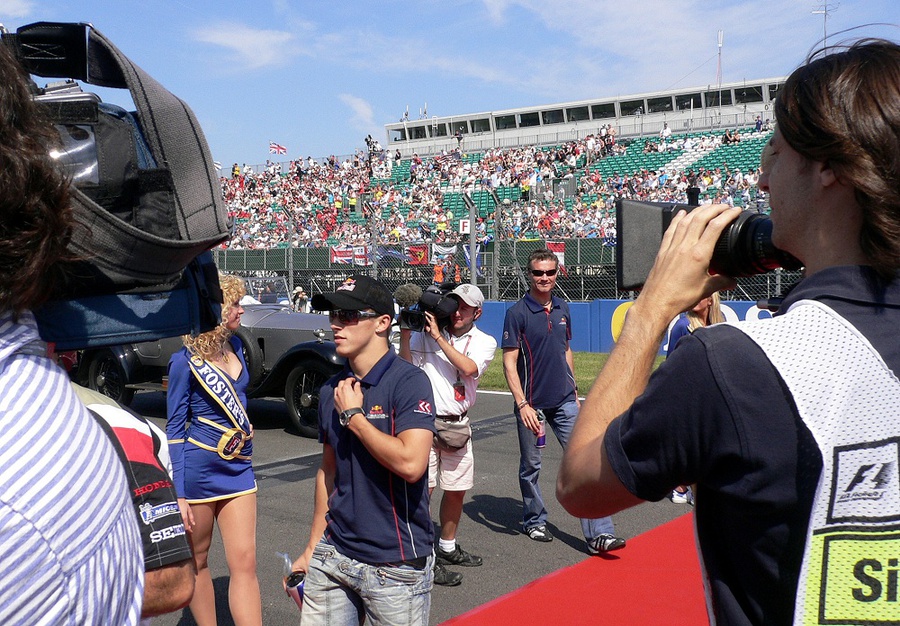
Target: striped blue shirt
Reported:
[(70, 551)]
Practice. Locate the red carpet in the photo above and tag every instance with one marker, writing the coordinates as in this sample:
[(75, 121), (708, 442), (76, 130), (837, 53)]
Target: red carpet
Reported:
[(655, 579)]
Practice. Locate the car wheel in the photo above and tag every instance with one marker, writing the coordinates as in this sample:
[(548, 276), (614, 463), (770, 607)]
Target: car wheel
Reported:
[(301, 393), (252, 355), (107, 376)]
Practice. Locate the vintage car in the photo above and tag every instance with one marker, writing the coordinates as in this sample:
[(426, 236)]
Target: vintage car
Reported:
[(288, 355)]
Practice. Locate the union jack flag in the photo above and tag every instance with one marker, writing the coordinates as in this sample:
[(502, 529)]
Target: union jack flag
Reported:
[(276, 148)]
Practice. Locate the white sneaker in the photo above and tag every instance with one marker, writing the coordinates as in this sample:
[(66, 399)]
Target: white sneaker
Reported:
[(678, 497)]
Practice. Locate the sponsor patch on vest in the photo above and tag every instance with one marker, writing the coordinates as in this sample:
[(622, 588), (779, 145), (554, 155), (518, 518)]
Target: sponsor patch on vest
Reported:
[(150, 513), (866, 483), (859, 582), (858, 550)]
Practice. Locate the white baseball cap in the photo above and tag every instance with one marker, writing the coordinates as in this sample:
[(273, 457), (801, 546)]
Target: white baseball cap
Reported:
[(470, 294)]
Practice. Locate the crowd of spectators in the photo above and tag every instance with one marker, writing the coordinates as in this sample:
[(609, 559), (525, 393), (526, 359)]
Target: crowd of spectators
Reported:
[(316, 203)]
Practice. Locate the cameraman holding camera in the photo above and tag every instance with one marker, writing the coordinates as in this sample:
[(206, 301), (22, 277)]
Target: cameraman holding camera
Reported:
[(788, 426), (454, 358), (69, 537)]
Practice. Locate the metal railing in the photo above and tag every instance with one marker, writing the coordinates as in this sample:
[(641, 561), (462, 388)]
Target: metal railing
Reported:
[(589, 271)]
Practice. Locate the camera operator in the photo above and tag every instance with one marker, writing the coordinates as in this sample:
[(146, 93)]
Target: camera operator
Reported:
[(788, 426), (454, 359), (69, 539)]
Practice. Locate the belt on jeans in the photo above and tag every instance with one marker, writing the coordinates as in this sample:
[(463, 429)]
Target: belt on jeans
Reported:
[(452, 418), (418, 563)]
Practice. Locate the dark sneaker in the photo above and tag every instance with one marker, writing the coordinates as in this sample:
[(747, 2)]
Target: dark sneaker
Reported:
[(605, 543), (458, 557), (539, 533), (443, 576)]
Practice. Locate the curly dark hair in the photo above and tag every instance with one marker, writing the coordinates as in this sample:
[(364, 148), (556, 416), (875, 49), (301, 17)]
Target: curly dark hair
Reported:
[(35, 217), (842, 107)]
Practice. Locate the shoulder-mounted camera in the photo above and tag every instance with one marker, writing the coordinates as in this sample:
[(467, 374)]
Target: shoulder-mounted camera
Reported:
[(145, 196), (435, 299)]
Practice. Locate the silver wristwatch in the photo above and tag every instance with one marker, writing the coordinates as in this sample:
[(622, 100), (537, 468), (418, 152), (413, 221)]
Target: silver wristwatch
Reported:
[(346, 415)]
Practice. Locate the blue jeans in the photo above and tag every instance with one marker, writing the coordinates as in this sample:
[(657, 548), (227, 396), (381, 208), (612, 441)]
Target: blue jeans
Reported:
[(560, 420), (341, 591)]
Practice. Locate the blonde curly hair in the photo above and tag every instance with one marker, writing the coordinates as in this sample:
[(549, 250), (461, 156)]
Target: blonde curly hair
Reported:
[(209, 345)]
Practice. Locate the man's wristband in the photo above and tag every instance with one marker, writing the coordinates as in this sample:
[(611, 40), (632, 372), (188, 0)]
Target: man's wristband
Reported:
[(521, 404)]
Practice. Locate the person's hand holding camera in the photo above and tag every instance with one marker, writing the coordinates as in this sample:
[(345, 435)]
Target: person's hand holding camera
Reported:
[(680, 276), (431, 326)]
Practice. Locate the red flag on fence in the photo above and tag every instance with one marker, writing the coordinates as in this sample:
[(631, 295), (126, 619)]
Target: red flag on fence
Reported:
[(342, 254), (361, 255), (559, 249), (418, 254)]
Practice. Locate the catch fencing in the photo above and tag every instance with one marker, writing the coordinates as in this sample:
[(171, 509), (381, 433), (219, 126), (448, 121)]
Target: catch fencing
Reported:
[(589, 270)]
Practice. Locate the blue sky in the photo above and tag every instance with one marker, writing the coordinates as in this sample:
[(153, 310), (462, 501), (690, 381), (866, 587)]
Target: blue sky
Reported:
[(318, 76)]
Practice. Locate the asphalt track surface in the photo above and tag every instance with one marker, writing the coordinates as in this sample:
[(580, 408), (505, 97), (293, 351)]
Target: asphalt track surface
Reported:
[(286, 465)]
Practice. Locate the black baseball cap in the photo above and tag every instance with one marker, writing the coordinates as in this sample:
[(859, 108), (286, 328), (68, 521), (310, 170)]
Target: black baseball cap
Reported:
[(355, 294)]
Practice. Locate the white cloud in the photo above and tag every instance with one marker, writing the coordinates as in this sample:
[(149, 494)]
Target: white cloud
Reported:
[(496, 9), (363, 117), (252, 48), (16, 8), (618, 48)]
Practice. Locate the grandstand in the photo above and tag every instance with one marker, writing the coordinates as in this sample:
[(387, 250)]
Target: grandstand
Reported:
[(309, 214), (570, 176)]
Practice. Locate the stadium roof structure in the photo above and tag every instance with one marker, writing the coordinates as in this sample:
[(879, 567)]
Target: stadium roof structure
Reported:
[(729, 105)]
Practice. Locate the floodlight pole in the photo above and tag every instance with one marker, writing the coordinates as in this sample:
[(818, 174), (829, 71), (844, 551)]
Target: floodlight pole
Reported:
[(719, 72), (824, 10)]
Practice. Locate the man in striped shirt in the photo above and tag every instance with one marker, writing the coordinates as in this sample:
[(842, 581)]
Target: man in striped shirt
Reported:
[(69, 541)]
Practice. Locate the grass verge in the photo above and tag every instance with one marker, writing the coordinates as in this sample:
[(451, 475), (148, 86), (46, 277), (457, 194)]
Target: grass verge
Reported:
[(587, 366)]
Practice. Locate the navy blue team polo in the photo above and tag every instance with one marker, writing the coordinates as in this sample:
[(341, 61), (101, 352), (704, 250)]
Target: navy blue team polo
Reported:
[(542, 338), (717, 413), (375, 516)]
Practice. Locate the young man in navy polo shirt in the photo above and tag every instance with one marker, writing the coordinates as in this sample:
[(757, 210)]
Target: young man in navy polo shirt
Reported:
[(539, 369), (370, 552)]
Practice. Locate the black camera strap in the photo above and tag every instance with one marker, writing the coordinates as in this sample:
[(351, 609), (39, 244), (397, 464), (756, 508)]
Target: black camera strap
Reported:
[(126, 255), (144, 271)]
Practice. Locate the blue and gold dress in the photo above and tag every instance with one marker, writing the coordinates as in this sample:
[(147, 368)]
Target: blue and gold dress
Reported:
[(207, 427)]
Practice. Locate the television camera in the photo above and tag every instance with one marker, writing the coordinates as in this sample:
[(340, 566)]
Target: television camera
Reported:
[(415, 302)]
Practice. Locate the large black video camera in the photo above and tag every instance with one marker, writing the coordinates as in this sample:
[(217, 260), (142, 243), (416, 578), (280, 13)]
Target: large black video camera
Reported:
[(145, 196), (744, 248), (415, 302)]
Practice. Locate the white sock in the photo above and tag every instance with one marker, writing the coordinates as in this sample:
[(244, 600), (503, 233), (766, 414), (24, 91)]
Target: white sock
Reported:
[(447, 545)]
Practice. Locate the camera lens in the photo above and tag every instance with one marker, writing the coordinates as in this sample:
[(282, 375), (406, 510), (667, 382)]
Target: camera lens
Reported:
[(412, 319), (745, 248)]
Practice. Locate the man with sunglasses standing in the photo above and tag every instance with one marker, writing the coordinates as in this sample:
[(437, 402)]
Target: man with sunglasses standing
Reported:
[(539, 369), (371, 548)]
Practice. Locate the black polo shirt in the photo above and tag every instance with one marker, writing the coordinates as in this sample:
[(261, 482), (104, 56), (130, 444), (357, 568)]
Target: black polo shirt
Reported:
[(718, 414), (542, 338)]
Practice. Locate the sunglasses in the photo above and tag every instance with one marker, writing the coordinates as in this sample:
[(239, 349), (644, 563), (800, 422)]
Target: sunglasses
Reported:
[(538, 273), (350, 317)]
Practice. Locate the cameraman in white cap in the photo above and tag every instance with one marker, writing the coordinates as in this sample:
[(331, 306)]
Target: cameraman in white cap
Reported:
[(454, 358)]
